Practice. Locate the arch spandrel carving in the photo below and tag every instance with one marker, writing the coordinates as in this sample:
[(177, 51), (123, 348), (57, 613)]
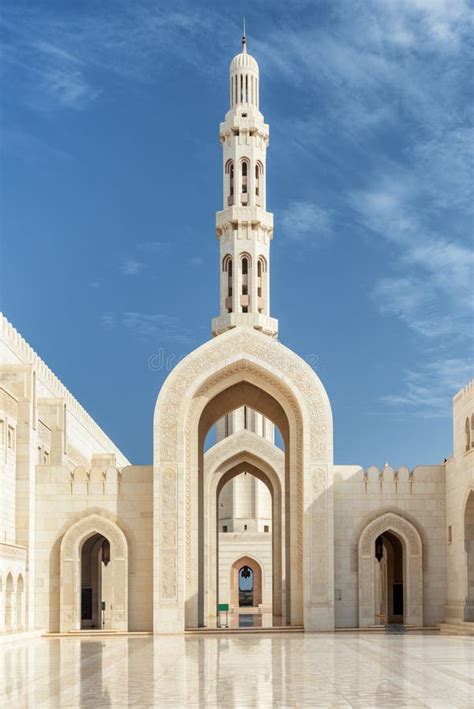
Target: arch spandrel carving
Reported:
[(242, 348), (242, 357), (394, 523)]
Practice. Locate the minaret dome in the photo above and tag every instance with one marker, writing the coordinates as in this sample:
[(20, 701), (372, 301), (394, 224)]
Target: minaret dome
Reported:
[(244, 78)]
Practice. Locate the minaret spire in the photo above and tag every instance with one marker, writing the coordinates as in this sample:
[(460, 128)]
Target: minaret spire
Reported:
[(244, 227)]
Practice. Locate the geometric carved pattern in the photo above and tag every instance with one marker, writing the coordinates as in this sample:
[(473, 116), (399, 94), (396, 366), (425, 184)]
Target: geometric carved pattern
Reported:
[(241, 354)]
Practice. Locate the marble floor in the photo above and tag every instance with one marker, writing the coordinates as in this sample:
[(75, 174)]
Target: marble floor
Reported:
[(243, 670)]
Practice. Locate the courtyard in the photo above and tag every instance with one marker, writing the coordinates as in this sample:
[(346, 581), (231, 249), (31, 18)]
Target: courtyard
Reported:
[(240, 670)]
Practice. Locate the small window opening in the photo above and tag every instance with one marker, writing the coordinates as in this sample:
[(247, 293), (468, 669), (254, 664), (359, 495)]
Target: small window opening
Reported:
[(224, 528), (245, 527), (450, 534), (266, 528)]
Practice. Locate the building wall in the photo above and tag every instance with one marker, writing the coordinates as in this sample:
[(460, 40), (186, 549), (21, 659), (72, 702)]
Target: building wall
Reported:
[(63, 497), (360, 496), (234, 546), (459, 483)]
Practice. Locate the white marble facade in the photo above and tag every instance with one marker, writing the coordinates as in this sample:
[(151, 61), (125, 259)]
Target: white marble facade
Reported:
[(88, 540)]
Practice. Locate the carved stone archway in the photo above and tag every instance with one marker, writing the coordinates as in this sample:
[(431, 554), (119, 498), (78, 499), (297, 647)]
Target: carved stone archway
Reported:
[(242, 367), (412, 571), (257, 572), (244, 451), (70, 570)]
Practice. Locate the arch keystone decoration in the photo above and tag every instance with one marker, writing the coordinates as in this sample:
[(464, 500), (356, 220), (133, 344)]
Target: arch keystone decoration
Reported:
[(412, 568), (70, 570)]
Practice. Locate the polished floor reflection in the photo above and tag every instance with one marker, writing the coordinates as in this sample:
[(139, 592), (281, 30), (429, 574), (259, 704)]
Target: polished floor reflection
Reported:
[(254, 670)]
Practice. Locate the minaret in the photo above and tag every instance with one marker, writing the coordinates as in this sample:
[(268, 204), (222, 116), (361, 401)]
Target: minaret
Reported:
[(244, 227)]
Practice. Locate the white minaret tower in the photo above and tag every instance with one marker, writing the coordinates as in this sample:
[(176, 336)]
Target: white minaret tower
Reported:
[(244, 227)]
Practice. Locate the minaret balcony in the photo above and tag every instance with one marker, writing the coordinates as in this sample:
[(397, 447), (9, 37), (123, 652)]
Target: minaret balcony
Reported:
[(238, 214)]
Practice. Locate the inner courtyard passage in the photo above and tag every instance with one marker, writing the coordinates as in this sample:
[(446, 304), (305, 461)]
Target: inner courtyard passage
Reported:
[(241, 670)]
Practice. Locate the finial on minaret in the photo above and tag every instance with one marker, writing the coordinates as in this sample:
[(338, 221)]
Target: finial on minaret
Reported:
[(244, 39)]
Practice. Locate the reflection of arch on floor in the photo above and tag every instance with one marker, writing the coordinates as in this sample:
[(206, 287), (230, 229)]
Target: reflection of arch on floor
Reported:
[(369, 570), (70, 571), (469, 548), (257, 572)]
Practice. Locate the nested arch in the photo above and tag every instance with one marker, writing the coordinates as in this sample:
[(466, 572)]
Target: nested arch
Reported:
[(258, 579), (412, 546), (70, 570), (240, 367)]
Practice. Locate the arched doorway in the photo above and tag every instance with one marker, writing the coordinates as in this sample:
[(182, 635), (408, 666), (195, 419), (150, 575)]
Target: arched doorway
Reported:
[(242, 367), (20, 603), (247, 454), (469, 550), (389, 578), (9, 601), (96, 582), (94, 556), (271, 545), (246, 581), (390, 563)]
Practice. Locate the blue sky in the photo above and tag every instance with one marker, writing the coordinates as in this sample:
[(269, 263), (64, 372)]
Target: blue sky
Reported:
[(111, 177)]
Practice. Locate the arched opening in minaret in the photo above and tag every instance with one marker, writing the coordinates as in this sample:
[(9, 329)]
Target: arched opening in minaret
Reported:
[(229, 172), (259, 184), (244, 182)]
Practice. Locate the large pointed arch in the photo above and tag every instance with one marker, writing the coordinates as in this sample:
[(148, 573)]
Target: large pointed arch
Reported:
[(241, 367)]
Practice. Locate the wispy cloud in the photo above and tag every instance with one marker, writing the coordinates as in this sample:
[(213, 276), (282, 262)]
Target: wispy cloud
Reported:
[(153, 246), (305, 222), (56, 61), (428, 389), (131, 267), (149, 326), (431, 286)]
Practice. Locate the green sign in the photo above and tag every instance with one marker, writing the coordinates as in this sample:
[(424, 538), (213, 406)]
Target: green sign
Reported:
[(223, 607)]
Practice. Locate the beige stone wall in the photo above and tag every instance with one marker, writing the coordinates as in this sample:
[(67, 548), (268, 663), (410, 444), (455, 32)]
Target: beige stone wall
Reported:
[(359, 497), (234, 546), (459, 483), (62, 498)]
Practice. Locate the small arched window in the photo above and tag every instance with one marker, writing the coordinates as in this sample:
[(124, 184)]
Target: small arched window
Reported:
[(244, 177), (467, 431), (245, 266), (229, 169), (227, 266)]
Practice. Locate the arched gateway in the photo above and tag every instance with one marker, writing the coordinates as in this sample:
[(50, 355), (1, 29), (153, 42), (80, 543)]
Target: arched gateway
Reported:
[(241, 367)]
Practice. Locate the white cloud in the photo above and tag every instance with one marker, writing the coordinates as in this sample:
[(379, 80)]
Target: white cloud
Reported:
[(131, 267), (305, 222), (428, 389), (146, 326)]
